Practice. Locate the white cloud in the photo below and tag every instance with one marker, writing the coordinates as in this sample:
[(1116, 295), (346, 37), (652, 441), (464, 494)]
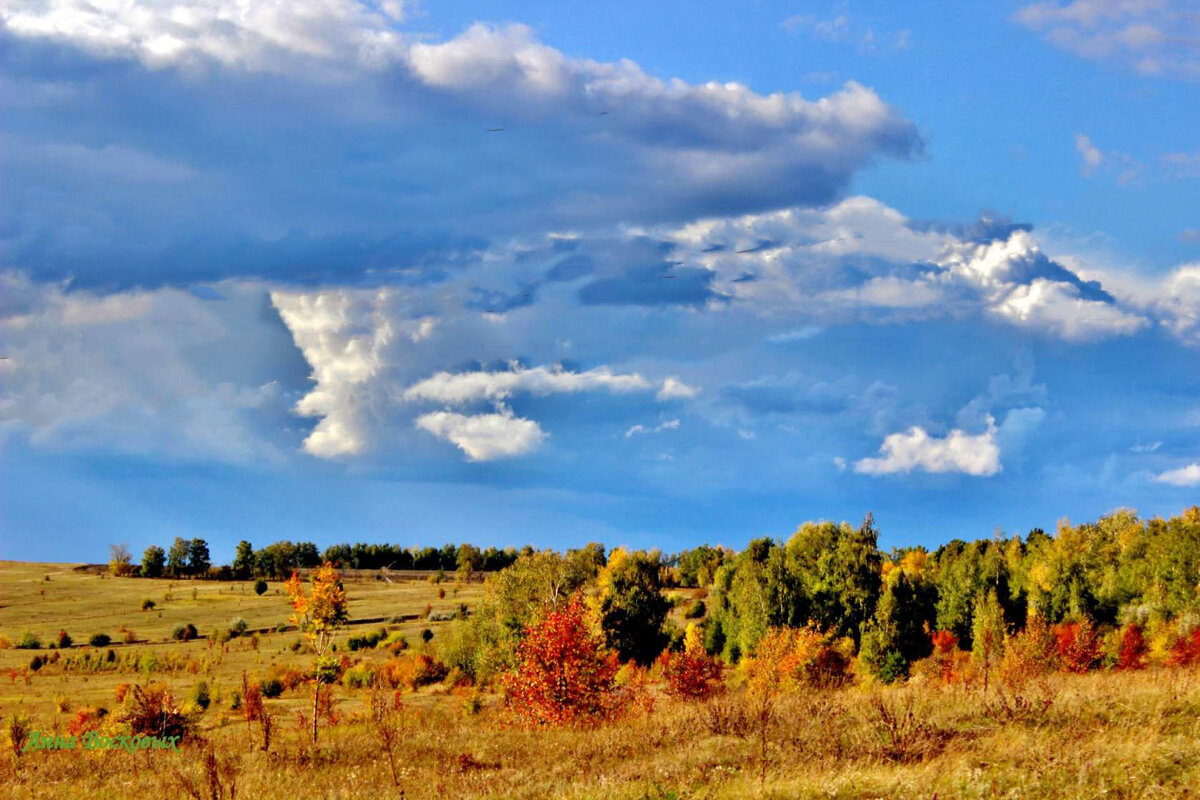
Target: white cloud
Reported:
[(1183, 476), (485, 437), (343, 335), (915, 449), (457, 388), (636, 430), (958, 451), (1091, 155), (675, 389), (139, 372), (259, 37), (1145, 448), (861, 260), (1154, 37), (1058, 309)]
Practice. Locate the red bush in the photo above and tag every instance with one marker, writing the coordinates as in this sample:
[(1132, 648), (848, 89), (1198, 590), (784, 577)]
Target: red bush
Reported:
[(564, 673), (693, 675), (1133, 651), (1186, 650), (85, 719), (1078, 646)]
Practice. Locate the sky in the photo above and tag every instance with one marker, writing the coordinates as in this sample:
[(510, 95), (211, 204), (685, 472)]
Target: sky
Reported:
[(542, 273)]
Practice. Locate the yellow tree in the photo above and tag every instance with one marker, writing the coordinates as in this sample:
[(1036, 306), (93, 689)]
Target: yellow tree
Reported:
[(318, 615)]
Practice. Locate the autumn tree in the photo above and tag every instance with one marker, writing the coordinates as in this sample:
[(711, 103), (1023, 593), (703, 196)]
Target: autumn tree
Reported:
[(319, 614), (564, 673), (120, 563)]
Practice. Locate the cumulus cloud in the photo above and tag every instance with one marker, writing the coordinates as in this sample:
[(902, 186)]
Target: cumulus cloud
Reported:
[(1183, 476), (1153, 37), (957, 451), (343, 335), (860, 259), (485, 437)]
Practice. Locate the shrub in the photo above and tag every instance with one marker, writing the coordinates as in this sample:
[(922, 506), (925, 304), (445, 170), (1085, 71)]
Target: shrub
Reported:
[(271, 687), (1185, 652), (29, 641), (691, 674), (1078, 646), (64, 640), (148, 604), (100, 640), (86, 719), (1031, 653), (359, 676), (695, 610), (18, 734), (564, 673), (200, 696), (289, 677), (184, 633), (152, 711), (794, 658), (1133, 651), (413, 671), (128, 636), (426, 635), (260, 587), (237, 626)]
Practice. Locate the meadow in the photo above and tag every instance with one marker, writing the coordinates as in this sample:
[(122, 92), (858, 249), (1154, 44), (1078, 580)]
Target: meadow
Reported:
[(1100, 734)]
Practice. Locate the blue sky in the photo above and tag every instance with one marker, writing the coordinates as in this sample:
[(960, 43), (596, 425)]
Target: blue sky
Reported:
[(266, 273)]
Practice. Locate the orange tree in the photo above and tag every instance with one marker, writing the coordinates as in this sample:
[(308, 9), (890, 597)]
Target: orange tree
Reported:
[(319, 614), (564, 673), (691, 674)]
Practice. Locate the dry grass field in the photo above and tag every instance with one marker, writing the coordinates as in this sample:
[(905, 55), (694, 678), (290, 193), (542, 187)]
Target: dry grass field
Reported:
[(1111, 735)]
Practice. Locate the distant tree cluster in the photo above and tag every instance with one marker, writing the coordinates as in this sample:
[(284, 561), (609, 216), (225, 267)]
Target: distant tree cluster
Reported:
[(185, 558), (277, 561)]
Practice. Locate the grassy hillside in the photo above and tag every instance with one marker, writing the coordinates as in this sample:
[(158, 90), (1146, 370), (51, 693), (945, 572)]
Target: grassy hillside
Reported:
[(1103, 734)]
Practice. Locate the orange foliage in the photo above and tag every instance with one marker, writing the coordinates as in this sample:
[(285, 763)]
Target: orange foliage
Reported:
[(85, 719), (1133, 652), (1078, 646), (691, 674), (564, 673), (412, 671), (787, 659)]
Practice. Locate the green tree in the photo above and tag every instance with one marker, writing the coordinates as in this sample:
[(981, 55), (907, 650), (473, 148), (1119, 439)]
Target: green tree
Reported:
[(198, 558), (177, 556), (152, 562), (243, 560), (632, 607)]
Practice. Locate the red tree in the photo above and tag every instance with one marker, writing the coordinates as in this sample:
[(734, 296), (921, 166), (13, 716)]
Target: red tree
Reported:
[(1078, 646), (564, 673), (1132, 654), (691, 674), (1186, 650)]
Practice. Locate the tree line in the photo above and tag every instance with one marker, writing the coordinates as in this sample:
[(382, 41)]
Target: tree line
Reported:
[(277, 561), (1104, 578)]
